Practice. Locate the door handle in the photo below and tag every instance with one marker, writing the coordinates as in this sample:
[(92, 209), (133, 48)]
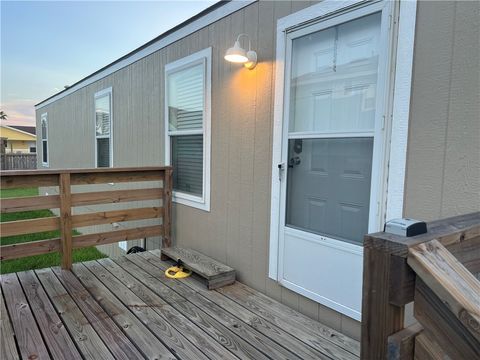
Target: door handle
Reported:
[(281, 169), (294, 161)]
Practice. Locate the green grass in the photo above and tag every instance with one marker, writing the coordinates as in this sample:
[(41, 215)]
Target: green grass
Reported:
[(37, 261), (9, 193)]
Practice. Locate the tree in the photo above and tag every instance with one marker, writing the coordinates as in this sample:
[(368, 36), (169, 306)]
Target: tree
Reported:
[(3, 116)]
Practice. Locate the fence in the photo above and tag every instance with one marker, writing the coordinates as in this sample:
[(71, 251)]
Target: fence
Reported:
[(66, 200), (18, 161), (437, 271)]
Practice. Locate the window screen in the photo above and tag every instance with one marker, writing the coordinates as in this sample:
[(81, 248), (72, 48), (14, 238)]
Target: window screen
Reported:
[(103, 152), (103, 128), (187, 160), (186, 94), (44, 139), (44, 152)]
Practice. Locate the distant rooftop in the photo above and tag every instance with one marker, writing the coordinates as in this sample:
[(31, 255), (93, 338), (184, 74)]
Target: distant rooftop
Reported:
[(27, 129)]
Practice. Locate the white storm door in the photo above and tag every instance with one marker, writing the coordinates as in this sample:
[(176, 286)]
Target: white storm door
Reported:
[(331, 140)]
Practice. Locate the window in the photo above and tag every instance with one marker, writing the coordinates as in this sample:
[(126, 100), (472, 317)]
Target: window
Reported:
[(44, 122), (103, 128), (187, 128), (33, 149), (332, 112)]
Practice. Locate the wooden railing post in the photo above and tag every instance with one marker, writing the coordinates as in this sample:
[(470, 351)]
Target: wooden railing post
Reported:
[(167, 206), (66, 247), (390, 283), (379, 317)]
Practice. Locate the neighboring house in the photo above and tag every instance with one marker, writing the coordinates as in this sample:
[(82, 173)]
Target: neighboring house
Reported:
[(356, 113), (20, 139)]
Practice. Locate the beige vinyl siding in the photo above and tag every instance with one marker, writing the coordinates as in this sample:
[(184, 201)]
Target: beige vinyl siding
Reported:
[(443, 165), (443, 150)]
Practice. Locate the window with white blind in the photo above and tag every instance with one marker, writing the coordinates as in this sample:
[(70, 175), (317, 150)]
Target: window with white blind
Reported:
[(103, 128), (187, 128), (44, 124)]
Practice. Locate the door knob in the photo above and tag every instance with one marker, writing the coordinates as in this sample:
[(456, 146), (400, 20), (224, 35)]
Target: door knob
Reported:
[(294, 161)]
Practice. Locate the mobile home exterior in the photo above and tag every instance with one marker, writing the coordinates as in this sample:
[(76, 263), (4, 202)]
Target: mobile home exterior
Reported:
[(357, 112)]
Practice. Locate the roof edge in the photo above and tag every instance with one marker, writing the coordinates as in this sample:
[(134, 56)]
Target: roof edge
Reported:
[(20, 131), (204, 18)]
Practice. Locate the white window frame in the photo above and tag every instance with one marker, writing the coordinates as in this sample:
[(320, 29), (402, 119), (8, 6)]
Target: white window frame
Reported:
[(44, 118), (201, 57), (99, 94), (396, 113)]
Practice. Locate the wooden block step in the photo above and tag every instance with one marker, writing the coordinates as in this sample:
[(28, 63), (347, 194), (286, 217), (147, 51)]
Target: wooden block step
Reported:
[(215, 273)]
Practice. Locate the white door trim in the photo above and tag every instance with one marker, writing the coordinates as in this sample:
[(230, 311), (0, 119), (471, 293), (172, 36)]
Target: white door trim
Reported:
[(399, 112)]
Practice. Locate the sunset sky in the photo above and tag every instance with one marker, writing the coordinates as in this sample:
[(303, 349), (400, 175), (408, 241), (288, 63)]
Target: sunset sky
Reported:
[(47, 45)]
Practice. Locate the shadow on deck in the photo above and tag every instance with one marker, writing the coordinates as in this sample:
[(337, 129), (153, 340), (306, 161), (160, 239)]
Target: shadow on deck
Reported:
[(127, 309)]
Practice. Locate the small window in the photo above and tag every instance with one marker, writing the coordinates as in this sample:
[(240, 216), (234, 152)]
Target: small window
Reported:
[(44, 123), (103, 128), (187, 128), (33, 149)]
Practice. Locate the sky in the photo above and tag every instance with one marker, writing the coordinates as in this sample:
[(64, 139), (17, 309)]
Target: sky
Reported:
[(46, 45)]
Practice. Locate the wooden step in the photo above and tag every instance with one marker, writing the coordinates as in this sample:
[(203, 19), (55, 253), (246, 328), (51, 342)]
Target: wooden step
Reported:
[(215, 273)]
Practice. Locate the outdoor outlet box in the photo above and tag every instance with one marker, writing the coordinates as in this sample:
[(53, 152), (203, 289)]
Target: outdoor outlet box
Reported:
[(405, 227)]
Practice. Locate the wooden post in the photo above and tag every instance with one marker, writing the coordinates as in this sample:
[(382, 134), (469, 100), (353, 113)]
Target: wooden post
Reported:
[(65, 221), (380, 318), (167, 209), (389, 283)]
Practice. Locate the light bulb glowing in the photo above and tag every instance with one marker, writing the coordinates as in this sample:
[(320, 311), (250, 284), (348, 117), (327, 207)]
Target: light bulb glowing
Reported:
[(236, 58), (237, 54)]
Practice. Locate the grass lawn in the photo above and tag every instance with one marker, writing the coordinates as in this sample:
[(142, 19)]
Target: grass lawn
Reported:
[(38, 261)]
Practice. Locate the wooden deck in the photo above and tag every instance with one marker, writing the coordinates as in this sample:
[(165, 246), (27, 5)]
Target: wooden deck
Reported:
[(127, 309)]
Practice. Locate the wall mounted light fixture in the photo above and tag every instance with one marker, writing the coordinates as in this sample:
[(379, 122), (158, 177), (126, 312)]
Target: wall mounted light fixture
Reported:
[(237, 54)]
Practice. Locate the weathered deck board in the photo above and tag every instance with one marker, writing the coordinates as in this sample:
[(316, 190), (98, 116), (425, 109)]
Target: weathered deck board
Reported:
[(158, 325), (57, 339), (222, 334), (215, 273), (299, 348), (288, 318), (127, 308), (298, 325), (118, 343), (89, 343), (248, 333), (170, 314), (29, 339), (151, 347), (8, 349), (306, 329)]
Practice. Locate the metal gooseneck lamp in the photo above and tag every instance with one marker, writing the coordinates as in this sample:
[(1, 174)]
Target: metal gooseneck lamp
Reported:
[(237, 54)]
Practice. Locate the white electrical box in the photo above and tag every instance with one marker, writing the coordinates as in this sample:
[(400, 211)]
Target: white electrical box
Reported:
[(405, 227)]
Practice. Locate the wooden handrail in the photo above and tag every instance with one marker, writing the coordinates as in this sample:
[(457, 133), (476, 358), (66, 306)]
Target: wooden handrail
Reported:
[(450, 292), (449, 280), (84, 170), (395, 274), (65, 179)]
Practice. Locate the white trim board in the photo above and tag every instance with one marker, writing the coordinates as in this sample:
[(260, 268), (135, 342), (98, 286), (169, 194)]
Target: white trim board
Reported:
[(400, 111), (207, 19)]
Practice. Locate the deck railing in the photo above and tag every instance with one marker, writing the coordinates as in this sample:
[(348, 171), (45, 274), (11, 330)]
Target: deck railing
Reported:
[(439, 272), (67, 199)]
